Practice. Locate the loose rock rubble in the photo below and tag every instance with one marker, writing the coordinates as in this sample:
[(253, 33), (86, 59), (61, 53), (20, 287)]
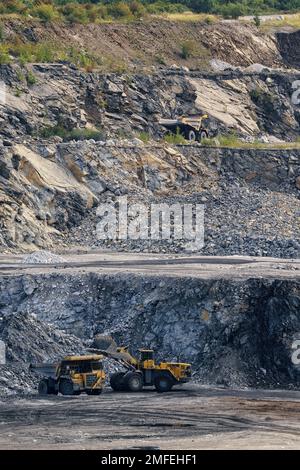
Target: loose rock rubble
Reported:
[(43, 257), (250, 196), (30, 340)]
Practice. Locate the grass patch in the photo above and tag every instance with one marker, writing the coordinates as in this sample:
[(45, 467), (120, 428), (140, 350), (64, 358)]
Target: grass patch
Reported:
[(160, 59), (188, 49), (292, 21), (4, 55), (20, 76), (47, 52), (73, 134), (174, 139), (46, 12), (52, 52), (85, 134), (189, 17), (30, 78), (232, 141), (144, 137)]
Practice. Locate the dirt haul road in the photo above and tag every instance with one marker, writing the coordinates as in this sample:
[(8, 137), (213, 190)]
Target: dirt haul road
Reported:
[(204, 267), (191, 417)]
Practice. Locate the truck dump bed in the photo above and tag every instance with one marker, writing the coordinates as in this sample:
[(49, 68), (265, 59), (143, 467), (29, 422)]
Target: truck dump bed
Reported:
[(193, 121), (44, 369)]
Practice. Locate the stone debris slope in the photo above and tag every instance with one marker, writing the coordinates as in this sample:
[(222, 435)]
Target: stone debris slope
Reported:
[(30, 340), (250, 197)]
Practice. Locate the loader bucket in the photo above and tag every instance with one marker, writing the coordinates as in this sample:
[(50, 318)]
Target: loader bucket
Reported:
[(105, 343)]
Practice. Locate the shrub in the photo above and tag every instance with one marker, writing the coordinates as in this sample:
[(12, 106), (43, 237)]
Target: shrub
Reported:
[(137, 9), (20, 76), (13, 6), (256, 20), (232, 10), (1, 32), (160, 59), (48, 132), (188, 49), (209, 19), (81, 58), (46, 52), (144, 137), (4, 55), (30, 78), (85, 134), (96, 13), (75, 13), (120, 10), (46, 13)]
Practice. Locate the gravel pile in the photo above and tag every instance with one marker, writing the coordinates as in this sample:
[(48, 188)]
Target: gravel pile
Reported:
[(239, 220), (29, 340), (43, 257)]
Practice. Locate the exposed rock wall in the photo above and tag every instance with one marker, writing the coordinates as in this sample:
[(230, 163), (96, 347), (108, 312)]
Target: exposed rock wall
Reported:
[(234, 331), (251, 196), (289, 47), (122, 105)]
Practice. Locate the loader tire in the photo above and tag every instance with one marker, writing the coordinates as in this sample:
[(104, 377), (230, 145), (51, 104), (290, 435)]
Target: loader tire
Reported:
[(43, 387), (133, 382), (116, 381), (163, 383), (66, 387)]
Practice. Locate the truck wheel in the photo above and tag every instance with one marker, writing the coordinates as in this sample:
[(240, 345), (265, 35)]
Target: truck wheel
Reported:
[(96, 391), (52, 389), (191, 135), (163, 383), (66, 387), (116, 381), (133, 382), (43, 387), (202, 135)]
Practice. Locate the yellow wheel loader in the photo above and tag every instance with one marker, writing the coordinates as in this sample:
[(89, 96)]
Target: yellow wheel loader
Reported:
[(72, 376), (142, 372)]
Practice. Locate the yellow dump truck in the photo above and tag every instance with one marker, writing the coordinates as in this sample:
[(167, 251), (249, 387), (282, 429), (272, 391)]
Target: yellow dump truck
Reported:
[(190, 127), (72, 376)]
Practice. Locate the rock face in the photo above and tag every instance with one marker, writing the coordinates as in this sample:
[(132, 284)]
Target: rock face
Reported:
[(50, 188), (252, 103), (289, 46), (236, 332), (250, 196)]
